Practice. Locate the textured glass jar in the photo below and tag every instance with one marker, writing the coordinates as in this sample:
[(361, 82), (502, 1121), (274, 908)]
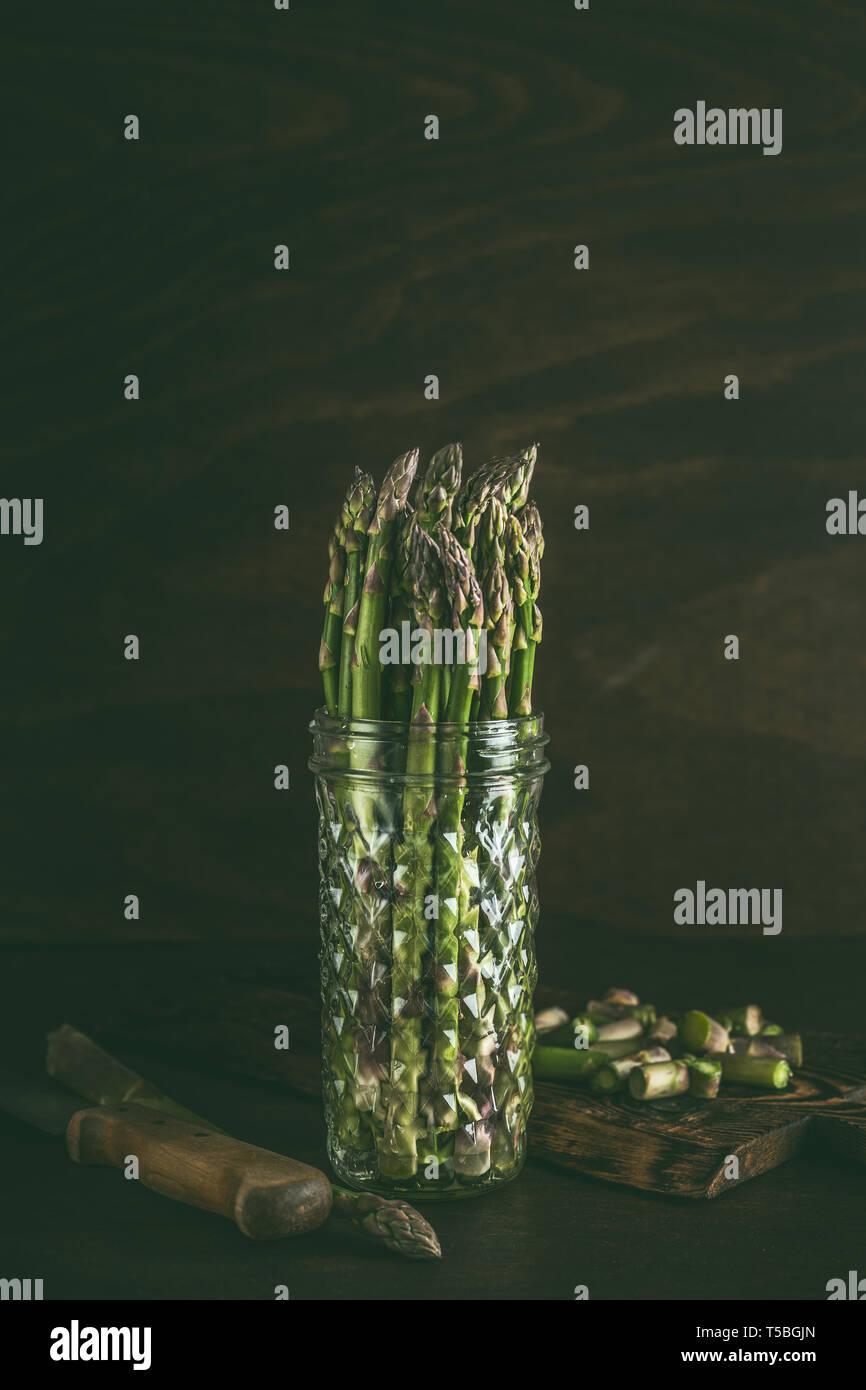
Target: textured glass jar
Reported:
[(428, 843)]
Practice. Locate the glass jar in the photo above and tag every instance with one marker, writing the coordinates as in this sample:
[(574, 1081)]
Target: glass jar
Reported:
[(428, 843)]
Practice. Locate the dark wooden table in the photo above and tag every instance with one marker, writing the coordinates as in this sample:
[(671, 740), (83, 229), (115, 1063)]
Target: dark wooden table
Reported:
[(91, 1234)]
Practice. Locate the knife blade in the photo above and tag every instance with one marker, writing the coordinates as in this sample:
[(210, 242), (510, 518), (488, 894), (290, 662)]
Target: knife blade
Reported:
[(264, 1193)]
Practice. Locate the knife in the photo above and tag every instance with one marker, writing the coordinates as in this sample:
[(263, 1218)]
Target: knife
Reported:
[(265, 1194)]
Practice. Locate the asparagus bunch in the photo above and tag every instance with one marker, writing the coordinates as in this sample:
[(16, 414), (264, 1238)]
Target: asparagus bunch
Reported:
[(498, 529), (424, 1053), (617, 1041)]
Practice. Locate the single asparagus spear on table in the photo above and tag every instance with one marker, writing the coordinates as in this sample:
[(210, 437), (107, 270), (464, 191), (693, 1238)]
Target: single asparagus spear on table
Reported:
[(76, 1061)]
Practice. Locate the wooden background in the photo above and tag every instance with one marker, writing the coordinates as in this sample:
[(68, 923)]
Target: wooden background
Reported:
[(411, 257)]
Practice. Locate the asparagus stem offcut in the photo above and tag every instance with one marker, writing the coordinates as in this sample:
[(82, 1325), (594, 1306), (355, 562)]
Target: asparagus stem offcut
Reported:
[(656, 1080), (743, 1020), (567, 1064), (550, 1021), (700, 1033), (787, 1045), (619, 1029), (626, 1043), (614, 1076), (705, 1076), (381, 538), (769, 1073), (356, 516)]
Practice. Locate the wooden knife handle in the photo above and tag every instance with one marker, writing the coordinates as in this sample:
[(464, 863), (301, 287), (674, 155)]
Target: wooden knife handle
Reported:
[(265, 1194)]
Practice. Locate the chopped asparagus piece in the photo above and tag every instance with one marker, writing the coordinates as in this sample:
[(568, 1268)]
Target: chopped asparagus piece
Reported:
[(614, 1076), (658, 1079), (549, 1020), (705, 1075), (700, 1033), (619, 1029), (769, 1073), (625, 998), (744, 1020), (662, 1031), (566, 1064), (787, 1045)]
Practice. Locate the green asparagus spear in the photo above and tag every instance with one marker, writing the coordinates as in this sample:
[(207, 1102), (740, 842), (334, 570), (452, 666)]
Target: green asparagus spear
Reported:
[(498, 610), (367, 670), (524, 550), (356, 515), (440, 486), (329, 647), (463, 1031), (413, 879)]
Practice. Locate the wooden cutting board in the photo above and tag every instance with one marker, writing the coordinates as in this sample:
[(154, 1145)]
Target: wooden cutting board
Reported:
[(681, 1147)]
